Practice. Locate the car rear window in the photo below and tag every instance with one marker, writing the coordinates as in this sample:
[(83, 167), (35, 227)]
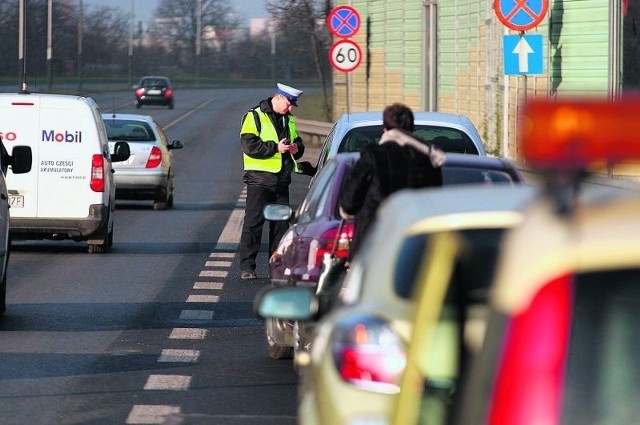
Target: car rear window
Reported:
[(447, 139), (131, 131), (474, 269), (603, 367), (154, 83), (459, 175)]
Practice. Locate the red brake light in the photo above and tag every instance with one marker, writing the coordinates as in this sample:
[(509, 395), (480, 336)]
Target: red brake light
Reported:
[(325, 243), (529, 383), (140, 92), (168, 93), (366, 351), (574, 134), (97, 173), (155, 158)]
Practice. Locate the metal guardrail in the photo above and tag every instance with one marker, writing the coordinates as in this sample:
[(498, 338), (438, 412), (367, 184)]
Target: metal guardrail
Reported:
[(312, 132)]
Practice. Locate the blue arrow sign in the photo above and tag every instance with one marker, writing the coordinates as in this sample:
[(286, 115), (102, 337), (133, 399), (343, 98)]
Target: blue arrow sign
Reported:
[(523, 54)]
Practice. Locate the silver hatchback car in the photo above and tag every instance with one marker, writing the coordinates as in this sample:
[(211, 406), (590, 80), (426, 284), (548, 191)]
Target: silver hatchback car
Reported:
[(450, 132), (148, 174)]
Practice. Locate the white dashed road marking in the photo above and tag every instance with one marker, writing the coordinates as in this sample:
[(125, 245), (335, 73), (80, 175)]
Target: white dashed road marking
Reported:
[(168, 382), (151, 414), (188, 333), (203, 298), (170, 355), (208, 285)]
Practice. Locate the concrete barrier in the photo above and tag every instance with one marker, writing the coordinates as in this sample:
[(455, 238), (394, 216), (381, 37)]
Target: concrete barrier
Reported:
[(312, 132)]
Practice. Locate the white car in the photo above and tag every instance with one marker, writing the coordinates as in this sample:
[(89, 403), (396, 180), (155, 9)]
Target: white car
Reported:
[(450, 132), (148, 173)]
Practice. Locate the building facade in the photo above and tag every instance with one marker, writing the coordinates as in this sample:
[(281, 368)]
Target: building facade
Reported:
[(448, 55)]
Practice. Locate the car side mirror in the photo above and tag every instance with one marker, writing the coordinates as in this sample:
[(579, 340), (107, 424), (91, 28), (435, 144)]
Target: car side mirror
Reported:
[(121, 152), (175, 144), (20, 160), (305, 168)]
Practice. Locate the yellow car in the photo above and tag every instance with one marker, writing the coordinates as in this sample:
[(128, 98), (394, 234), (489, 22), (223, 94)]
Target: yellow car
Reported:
[(358, 350), (556, 341)]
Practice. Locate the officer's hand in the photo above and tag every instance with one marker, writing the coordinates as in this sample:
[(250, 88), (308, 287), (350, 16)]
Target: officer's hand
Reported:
[(293, 149)]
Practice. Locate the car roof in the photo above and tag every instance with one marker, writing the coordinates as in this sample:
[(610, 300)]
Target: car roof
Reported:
[(375, 117), (130, 117), (603, 233)]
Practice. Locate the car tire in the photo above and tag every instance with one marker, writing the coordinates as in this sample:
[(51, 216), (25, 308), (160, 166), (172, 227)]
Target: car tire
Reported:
[(274, 350), (164, 197), (171, 105), (138, 105)]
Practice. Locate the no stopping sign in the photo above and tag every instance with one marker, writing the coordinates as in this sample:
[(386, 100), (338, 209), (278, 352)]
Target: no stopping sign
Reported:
[(345, 55)]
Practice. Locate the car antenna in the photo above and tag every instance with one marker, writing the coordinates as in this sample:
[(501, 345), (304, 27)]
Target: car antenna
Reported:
[(113, 99)]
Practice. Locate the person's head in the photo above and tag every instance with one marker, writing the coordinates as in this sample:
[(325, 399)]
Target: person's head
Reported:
[(399, 116), (285, 98)]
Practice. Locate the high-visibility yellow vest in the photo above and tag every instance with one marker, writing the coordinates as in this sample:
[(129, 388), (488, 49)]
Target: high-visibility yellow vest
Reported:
[(267, 133)]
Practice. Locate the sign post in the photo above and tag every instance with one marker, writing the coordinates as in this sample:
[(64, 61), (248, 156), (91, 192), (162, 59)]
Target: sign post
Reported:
[(345, 55)]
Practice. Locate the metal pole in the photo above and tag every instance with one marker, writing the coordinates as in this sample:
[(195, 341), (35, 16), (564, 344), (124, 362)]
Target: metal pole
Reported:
[(130, 53), (50, 43), (198, 39), (80, 25), (22, 45)]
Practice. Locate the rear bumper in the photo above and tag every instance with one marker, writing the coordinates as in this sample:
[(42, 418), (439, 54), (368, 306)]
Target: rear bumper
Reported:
[(139, 185), (94, 226)]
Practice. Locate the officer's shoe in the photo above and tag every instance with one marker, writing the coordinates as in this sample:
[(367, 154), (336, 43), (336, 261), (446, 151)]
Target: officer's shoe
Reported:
[(248, 274)]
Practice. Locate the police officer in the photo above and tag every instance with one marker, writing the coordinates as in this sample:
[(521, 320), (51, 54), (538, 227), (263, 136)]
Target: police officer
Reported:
[(270, 148)]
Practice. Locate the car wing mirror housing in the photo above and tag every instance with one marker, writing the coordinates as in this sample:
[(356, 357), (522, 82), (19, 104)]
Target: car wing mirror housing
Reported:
[(121, 152), (175, 144), (286, 302), (21, 160), (277, 212)]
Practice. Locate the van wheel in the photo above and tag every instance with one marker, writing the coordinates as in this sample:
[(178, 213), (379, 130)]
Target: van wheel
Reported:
[(103, 247)]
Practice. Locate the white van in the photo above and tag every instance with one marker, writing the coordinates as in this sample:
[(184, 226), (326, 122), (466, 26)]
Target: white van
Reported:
[(69, 194)]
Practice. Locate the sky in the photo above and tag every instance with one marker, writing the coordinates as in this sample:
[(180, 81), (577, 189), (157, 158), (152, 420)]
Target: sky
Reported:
[(143, 9)]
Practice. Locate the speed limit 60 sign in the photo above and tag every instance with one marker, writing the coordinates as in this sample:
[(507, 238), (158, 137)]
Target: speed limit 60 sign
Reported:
[(345, 55)]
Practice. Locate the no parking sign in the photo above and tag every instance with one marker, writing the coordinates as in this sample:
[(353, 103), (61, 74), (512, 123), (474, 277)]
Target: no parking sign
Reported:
[(345, 55), (521, 15)]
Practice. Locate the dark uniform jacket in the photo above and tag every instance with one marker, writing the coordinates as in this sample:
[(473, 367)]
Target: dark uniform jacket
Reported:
[(253, 146), (400, 161)]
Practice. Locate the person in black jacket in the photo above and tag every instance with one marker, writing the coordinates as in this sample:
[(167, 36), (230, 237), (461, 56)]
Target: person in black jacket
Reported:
[(270, 148), (401, 160)]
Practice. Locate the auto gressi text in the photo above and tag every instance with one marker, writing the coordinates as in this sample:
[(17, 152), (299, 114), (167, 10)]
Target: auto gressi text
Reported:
[(59, 165)]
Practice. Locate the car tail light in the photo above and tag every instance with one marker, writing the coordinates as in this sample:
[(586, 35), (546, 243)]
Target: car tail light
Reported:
[(140, 92), (368, 353), (326, 242), (168, 93), (155, 158), (529, 382), (578, 133), (97, 173)]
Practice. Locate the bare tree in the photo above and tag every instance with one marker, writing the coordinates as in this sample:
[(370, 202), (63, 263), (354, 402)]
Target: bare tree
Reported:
[(302, 25), (176, 26)]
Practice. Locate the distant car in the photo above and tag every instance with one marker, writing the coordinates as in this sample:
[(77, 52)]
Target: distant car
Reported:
[(450, 132), (316, 230), (358, 349), (148, 173), (154, 90)]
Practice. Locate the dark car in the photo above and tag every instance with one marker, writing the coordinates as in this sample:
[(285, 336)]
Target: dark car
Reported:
[(154, 90), (317, 229)]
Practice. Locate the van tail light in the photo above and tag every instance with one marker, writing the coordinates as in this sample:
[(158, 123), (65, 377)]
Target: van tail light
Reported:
[(168, 93), (326, 242), (97, 173), (368, 353), (155, 158), (529, 383)]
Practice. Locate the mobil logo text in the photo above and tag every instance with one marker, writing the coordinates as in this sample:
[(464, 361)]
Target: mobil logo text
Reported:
[(62, 136), (8, 136)]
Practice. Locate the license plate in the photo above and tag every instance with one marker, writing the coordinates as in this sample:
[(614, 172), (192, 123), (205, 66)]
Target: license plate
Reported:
[(154, 91), (16, 201)]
